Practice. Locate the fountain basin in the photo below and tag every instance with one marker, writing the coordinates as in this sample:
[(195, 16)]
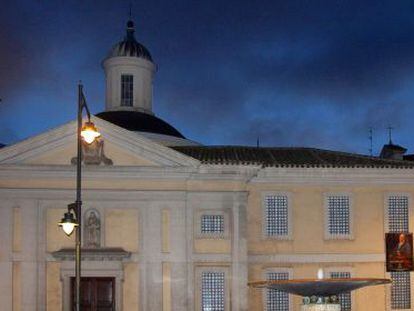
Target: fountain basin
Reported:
[(319, 287)]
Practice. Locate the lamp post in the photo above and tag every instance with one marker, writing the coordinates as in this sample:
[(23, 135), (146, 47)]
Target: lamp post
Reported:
[(70, 221)]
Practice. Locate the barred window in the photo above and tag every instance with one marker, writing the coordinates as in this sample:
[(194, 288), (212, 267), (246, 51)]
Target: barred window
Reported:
[(339, 215), (275, 299), (400, 290), (277, 215), (212, 291), (344, 298), (127, 93), (398, 214), (212, 224)]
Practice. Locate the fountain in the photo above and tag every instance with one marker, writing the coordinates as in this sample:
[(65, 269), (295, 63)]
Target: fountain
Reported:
[(319, 294)]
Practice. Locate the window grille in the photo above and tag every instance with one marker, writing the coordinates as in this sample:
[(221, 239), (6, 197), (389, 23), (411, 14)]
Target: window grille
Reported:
[(344, 298), (212, 291), (339, 215), (127, 87), (398, 214), (275, 299), (398, 219), (277, 215), (212, 224), (400, 290)]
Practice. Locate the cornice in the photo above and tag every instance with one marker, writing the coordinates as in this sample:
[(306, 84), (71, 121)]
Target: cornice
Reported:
[(98, 254), (335, 175), (8, 171), (317, 258), (91, 172), (94, 195)]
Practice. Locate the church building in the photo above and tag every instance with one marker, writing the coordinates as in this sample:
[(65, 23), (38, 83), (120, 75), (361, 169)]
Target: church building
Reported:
[(170, 224)]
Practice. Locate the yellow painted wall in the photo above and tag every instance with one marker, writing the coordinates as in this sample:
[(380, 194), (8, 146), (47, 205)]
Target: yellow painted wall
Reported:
[(53, 287), (121, 229), (213, 246), (307, 203), (17, 229), (166, 286), (17, 286), (165, 231), (131, 287)]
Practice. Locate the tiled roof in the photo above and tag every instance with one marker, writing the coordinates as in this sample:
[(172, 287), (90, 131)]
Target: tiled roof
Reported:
[(286, 157)]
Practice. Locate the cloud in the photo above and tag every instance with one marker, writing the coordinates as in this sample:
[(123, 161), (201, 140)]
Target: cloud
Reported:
[(292, 72)]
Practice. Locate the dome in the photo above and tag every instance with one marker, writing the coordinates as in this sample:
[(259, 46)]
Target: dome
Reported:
[(139, 122), (130, 46)]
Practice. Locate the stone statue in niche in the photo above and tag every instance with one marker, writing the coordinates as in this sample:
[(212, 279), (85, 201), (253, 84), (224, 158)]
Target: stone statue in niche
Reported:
[(92, 230), (93, 154)]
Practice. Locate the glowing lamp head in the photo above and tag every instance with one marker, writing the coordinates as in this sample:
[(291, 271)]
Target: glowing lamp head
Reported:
[(68, 223), (89, 132)]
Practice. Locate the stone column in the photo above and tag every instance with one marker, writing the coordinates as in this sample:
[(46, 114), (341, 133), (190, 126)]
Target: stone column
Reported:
[(321, 307), (239, 254), (6, 264), (29, 281)]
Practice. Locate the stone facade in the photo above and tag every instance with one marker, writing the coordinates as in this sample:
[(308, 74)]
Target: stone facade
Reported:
[(150, 202)]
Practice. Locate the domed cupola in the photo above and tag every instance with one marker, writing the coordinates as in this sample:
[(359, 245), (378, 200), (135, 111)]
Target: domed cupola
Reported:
[(129, 71), (130, 46)]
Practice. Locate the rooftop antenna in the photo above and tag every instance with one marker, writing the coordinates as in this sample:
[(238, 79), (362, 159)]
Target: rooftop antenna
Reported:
[(390, 128), (370, 141)]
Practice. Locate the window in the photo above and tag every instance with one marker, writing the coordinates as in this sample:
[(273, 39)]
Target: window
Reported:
[(345, 298), (275, 299), (127, 93), (338, 217), (212, 291), (212, 224), (398, 220), (397, 213), (400, 290), (277, 216)]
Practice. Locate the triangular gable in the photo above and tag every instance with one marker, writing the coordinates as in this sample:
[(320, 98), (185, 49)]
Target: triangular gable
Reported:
[(58, 146)]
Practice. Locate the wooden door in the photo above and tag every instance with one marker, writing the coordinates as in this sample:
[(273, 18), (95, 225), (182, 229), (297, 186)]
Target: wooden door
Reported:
[(97, 294)]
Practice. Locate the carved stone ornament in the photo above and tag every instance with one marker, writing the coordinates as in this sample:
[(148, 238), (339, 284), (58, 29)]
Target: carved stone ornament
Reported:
[(93, 154), (88, 254), (92, 229)]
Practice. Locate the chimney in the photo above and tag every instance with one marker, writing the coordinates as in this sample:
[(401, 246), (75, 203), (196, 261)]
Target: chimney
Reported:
[(391, 151)]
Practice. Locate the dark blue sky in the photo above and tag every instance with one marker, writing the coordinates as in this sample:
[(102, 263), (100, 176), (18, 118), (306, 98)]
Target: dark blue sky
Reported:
[(294, 73)]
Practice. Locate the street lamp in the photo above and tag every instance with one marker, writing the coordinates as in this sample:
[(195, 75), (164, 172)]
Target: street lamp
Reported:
[(72, 221)]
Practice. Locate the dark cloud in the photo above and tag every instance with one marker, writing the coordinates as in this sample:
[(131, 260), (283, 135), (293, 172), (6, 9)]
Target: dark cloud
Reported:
[(311, 73)]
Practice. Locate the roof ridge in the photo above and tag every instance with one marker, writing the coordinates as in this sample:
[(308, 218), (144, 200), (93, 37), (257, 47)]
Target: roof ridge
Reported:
[(288, 157)]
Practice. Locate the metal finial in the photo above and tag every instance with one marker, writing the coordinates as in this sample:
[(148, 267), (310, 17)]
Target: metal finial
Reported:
[(130, 10), (258, 142), (390, 128)]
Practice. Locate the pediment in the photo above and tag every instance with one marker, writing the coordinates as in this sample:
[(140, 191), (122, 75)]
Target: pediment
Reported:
[(123, 147)]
